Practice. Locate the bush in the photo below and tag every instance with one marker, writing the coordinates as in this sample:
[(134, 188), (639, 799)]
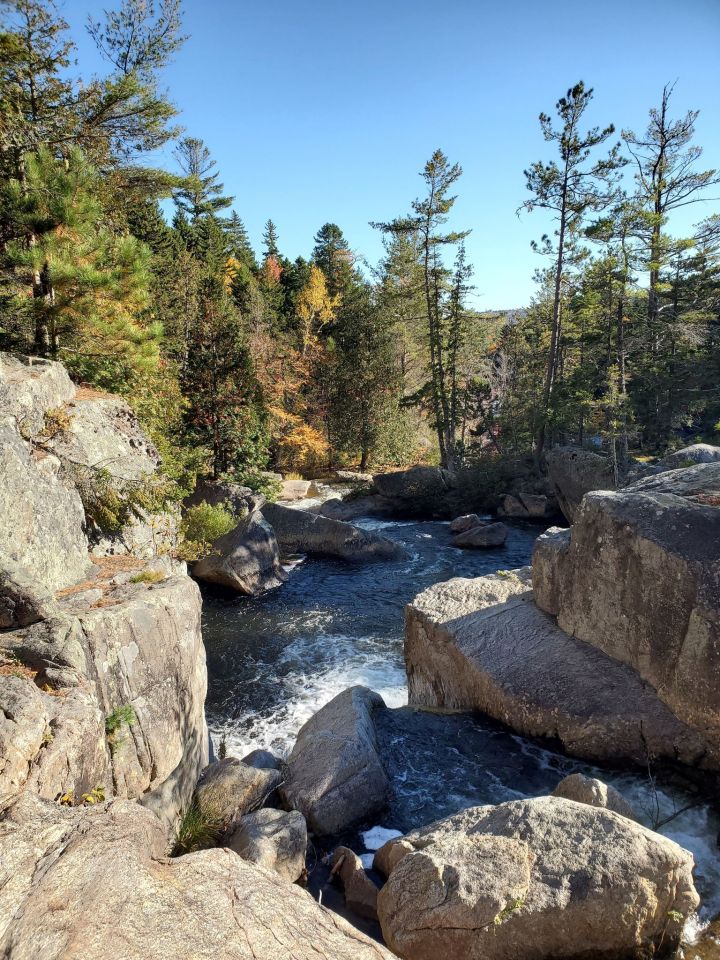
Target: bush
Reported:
[(201, 526)]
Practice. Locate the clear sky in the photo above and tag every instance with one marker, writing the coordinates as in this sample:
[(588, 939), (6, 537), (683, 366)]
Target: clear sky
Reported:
[(327, 111)]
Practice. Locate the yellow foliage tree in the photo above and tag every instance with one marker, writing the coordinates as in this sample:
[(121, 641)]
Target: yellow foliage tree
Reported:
[(315, 307)]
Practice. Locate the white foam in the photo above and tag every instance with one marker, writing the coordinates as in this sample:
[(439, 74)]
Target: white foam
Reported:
[(376, 837)]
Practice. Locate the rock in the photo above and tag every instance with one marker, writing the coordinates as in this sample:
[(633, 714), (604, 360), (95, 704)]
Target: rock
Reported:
[(594, 792), (24, 724), (334, 775), (102, 432), (355, 477), (466, 522), (527, 506), (486, 535), (105, 890), (301, 532), (291, 490), (41, 519), (695, 453), (574, 472), (639, 579), (419, 491), (262, 760), (360, 892), (273, 839), (22, 599), (238, 499), (29, 388), (537, 880), (482, 644), (390, 854), (229, 789), (352, 508), (246, 559), (548, 557)]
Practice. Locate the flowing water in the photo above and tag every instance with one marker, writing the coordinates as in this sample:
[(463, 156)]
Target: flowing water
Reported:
[(274, 660)]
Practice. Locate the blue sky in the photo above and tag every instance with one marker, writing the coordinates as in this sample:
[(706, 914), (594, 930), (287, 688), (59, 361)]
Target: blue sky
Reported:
[(321, 111)]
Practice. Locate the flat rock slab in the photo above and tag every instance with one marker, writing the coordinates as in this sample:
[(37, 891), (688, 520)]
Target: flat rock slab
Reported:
[(483, 645)]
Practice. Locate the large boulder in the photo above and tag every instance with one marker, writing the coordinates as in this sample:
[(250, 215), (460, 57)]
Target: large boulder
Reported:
[(594, 792), (41, 517), (482, 644), (300, 532), (574, 472), (237, 498), (292, 490), (229, 789), (273, 839), (537, 880), (419, 491), (104, 889), (334, 775), (246, 559), (527, 506), (481, 536), (638, 578)]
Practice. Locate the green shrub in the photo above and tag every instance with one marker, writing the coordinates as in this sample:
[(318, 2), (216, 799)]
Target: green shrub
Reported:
[(197, 829), (259, 482), (148, 576), (119, 716), (200, 528)]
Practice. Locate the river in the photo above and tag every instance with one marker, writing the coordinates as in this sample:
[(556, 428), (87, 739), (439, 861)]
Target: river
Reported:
[(274, 660)]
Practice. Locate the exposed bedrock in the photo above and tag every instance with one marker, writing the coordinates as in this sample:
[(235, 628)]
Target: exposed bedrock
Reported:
[(105, 890)]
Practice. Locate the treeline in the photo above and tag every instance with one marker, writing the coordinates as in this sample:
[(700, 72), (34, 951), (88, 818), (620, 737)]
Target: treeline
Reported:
[(238, 362)]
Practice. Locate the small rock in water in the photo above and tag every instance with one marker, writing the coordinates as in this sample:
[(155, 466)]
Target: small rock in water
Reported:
[(376, 837)]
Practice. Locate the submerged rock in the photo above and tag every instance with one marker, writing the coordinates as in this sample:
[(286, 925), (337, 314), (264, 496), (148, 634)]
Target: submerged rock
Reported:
[(334, 775), (107, 891), (536, 880), (273, 839), (482, 644), (300, 532), (574, 472), (246, 559)]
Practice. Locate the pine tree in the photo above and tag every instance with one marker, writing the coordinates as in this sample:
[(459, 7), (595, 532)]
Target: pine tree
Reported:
[(201, 193), (333, 256), (270, 242), (569, 189)]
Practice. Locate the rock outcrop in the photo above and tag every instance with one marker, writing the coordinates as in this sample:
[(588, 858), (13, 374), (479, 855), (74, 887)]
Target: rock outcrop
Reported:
[(527, 506), (106, 890), (483, 644), (246, 559), (536, 880), (102, 684), (573, 472), (334, 775), (695, 453), (638, 578), (273, 839), (300, 532)]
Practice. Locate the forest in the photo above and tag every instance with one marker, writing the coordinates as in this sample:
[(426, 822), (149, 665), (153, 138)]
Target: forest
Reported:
[(143, 282)]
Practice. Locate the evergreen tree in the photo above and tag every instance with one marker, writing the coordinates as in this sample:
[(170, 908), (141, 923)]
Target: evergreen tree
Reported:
[(332, 255), (270, 242), (201, 193)]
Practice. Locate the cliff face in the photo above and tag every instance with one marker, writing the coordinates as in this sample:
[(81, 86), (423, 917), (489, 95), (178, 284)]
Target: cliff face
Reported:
[(103, 678)]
